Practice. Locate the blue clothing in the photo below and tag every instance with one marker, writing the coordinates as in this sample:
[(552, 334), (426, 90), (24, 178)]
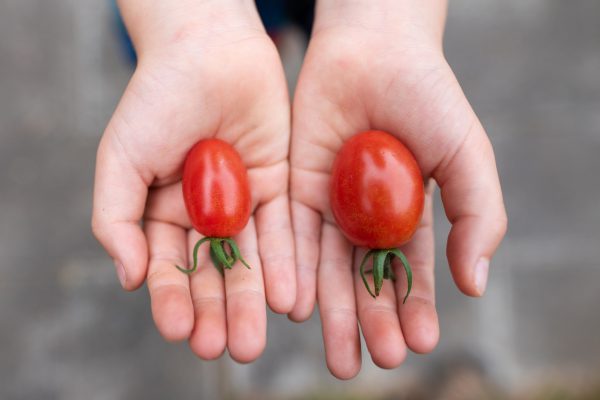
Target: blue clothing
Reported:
[(275, 15)]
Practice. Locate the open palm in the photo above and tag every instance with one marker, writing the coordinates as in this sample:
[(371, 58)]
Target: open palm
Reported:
[(232, 89), (354, 79)]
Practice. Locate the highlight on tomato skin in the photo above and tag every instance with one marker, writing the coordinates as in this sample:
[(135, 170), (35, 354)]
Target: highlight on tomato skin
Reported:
[(216, 193), (377, 194), (216, 189), (377, 199)]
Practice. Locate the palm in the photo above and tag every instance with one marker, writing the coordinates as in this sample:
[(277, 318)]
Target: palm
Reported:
[(167, 108), (411, 93)]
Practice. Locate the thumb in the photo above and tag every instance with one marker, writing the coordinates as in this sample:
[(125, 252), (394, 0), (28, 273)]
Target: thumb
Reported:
[(472, 198), (119, 200)]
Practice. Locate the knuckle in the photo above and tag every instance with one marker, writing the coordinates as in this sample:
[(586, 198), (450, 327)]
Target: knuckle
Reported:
[(501, 225), (378, 309), (172, 257), (278, 259), (341, 311), (162, 279), (340, 264), (97, 226), (245, 293)]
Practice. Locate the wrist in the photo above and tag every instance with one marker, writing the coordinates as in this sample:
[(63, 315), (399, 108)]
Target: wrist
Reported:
[(422, 19), (155, 27)]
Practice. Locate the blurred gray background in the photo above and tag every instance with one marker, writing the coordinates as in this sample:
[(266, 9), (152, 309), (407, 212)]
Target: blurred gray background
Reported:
[(531, 69)]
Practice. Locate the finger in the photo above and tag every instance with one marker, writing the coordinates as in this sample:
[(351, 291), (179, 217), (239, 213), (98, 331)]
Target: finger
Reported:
[(379, 321), (276, 244), (307, 234), (166, 204), (418, 316), (310, 188), (337, 304), (245, 300), (169, 288), (119, 199), (209, 337), (472, 199)]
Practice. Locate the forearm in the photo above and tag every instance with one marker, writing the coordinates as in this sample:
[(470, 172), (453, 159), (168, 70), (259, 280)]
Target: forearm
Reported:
[(154, 25), (414, 17)]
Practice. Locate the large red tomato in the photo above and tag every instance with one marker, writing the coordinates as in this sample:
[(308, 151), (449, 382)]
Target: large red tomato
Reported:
[(377, 197), (376, 191), (216, 193)]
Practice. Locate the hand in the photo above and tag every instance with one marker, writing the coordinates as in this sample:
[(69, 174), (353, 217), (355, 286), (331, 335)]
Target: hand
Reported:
[(380, 66), (217, 75)]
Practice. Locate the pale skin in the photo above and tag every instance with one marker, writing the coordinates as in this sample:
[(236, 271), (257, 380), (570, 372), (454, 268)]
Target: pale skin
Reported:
[(207, 69), (380, 65)]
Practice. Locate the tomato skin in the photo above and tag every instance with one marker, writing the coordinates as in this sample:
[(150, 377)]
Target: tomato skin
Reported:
[(216, 191), (376, 191)]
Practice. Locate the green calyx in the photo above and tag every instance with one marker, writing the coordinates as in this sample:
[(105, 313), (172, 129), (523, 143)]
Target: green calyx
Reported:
[(382, 269), (224, 252)]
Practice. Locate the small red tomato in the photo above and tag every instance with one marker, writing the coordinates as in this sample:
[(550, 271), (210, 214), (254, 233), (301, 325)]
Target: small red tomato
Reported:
[(216, 193), (377, 198), (215, 189)]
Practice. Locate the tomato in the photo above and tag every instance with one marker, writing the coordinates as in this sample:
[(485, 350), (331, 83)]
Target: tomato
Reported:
[(377, 198), (217, 198), (215, 189), (376, 191)]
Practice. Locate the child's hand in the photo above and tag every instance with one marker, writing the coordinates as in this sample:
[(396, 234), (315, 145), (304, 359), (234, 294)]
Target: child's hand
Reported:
[(205, 70), (379, 65)]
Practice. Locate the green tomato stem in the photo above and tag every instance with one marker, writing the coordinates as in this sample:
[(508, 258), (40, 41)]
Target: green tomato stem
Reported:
[(215, 261), (221, 257), (362, 271), (236, 251), (382, 269), (195, 255), (407, 269)]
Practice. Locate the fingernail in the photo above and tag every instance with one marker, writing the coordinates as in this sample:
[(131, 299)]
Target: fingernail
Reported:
[(121, 273), (481, 274)]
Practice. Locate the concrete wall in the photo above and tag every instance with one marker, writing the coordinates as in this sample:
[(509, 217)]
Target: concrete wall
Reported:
[(531, 70)]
